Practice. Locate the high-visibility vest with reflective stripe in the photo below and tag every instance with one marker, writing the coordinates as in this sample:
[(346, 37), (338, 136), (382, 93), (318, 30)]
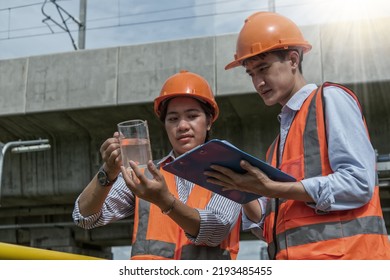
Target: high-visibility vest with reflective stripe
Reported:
[(157, 236), (292, 229)]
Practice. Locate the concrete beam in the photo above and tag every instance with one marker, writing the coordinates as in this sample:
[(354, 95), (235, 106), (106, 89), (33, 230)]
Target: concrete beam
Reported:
[(346, 52)]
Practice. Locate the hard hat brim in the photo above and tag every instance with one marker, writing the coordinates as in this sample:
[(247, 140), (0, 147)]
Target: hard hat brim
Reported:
[(238, 62)]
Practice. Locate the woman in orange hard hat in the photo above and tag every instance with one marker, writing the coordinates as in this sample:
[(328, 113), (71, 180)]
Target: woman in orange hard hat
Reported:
[(333, 210), (173, 218)]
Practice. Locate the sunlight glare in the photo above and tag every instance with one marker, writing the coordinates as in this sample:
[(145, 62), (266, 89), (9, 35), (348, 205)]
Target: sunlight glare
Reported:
[(306, 12)]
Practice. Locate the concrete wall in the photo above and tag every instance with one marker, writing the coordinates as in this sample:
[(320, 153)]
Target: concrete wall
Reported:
[(76, 99)]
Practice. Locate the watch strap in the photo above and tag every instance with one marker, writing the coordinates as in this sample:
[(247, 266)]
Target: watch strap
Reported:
[(103, 178)]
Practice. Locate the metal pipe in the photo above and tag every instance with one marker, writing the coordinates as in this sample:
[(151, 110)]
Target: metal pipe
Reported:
[(35, 148), (383, 158), (17, 252), (21, 147)]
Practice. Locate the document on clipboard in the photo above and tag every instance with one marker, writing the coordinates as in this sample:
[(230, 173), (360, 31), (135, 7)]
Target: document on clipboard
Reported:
[(193, 163)]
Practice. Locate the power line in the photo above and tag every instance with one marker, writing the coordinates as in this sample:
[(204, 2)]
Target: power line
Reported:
[(65, 16), (9, 9), (170, 19), (132, 24), (129, 24), (26, 5), (165, 10), (115, 17), (21, 6)]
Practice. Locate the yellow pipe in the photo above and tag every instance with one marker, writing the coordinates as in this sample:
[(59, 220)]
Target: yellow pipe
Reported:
[(17, 252)]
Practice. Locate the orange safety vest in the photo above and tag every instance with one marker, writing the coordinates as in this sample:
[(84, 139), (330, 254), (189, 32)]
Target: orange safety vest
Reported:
[(292, 229), (157, 237)]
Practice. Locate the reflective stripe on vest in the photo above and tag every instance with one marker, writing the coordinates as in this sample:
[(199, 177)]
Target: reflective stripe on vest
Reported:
[(171, 242), (302, 233), (329, 231), (271, 151), (143, 246), (313, 166)]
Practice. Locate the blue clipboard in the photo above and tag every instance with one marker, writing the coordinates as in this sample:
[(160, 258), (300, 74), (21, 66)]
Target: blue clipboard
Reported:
[(193, 163)]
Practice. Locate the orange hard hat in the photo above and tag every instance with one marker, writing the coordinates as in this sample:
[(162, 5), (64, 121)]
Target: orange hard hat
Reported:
[(187, 84), (266, 31)]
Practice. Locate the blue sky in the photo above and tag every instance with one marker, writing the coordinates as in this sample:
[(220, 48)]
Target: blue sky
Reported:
[(126, 22), (117, 22)]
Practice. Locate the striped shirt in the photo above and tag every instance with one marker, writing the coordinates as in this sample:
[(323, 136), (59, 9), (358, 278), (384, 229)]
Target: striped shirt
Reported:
[(216, 220)]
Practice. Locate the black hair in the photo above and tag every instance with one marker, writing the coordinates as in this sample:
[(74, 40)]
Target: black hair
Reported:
[(281, 54)]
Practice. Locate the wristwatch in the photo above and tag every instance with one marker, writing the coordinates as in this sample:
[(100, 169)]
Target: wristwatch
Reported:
[(103, 178)]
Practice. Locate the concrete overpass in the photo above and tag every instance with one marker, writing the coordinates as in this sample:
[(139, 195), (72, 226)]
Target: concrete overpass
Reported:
[(76, 99)]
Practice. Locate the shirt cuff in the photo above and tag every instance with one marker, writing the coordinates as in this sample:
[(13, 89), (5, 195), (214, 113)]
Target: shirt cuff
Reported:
[(81, 221), (318, 188), (247, 224), (210, 232)]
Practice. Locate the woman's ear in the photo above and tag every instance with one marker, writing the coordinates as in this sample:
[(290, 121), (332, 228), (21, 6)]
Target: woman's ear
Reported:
[(209, 122)]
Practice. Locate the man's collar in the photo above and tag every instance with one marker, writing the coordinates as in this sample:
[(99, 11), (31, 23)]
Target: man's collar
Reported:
[(296, 101)]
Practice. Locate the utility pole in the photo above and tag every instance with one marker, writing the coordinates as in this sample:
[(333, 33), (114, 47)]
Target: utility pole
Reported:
[(65, 16), (83, 21), (271, 6)]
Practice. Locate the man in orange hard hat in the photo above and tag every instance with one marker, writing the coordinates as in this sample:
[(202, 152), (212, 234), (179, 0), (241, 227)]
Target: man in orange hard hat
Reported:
[(173, 218), (333, 210)]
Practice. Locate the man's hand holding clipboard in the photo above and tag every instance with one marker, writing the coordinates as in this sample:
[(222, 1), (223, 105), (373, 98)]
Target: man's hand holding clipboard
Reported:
[(193, 165)]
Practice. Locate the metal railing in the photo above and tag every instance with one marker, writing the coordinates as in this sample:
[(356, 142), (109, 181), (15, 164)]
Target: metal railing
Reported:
[(383, 167), (21, 147)]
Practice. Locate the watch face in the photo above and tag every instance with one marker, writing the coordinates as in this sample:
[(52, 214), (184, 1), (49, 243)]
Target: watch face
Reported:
[(102, 178)]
